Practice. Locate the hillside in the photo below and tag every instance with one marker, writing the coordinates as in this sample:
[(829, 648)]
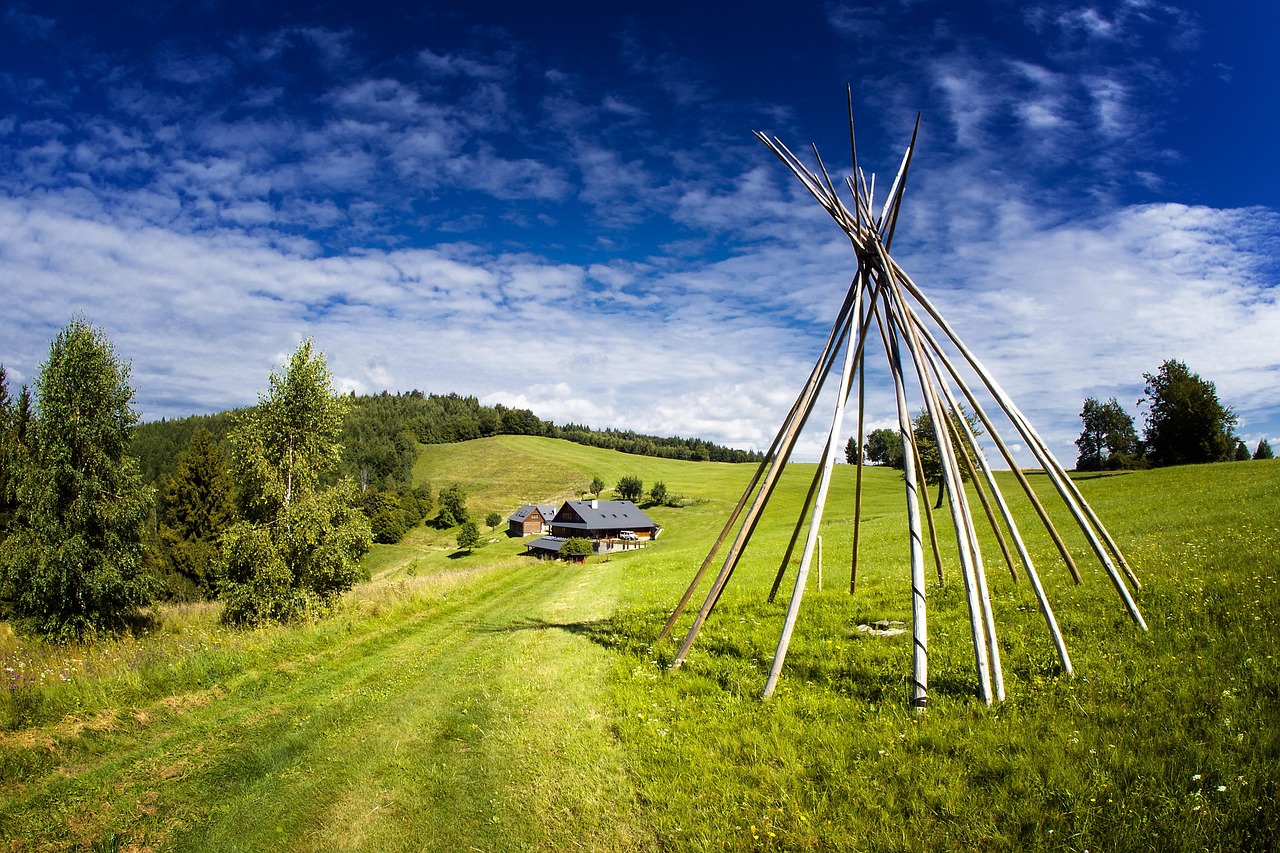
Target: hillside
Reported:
[(500, 703)]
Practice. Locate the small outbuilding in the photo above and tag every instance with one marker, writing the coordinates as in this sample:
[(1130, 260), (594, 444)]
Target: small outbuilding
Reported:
[(530, 519)]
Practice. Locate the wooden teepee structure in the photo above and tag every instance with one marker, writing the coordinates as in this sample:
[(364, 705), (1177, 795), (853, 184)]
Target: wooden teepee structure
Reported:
[(924, 356)]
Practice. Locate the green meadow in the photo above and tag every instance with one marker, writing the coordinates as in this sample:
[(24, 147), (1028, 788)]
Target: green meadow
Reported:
[(494, 702)]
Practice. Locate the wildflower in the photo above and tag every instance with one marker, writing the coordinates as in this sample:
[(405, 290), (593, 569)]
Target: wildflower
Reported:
[(1221, 788), (1195, 778)]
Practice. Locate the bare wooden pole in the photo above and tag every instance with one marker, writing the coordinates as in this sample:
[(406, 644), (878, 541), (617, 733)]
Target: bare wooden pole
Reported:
[(795, 531), (817, 474), (1045, 521), (715, 598), (1042, 600), (969, 468), (981, 620), (927, 503), (765, 469), (860, 365), (815, 520), (919, 623), (978, 458)]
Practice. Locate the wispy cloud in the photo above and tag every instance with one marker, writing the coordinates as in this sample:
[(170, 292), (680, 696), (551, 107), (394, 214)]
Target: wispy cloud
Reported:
[(604, 242)]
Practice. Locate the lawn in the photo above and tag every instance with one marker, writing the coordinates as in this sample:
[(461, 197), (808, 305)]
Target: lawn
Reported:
[(494, 702)]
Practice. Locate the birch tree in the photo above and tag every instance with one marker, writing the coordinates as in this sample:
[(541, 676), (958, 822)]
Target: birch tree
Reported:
[(299, 545)]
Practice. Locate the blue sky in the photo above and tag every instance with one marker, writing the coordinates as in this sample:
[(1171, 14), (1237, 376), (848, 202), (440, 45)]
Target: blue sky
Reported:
[(562, 207)]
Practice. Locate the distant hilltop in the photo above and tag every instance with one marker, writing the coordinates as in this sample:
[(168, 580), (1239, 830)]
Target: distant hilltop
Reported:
[(381, 432)]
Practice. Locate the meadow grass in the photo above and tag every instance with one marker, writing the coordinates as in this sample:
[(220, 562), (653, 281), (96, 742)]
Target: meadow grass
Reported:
[(495, 702)]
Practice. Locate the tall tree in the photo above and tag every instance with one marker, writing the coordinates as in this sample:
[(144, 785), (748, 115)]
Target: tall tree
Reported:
[(927, 444), (8, 503), (1264, 450), (1242, 451), (1185, 422), (197, 508), (300, 545), (597, 485), (1108, 438), (73, 562), (851, 451)]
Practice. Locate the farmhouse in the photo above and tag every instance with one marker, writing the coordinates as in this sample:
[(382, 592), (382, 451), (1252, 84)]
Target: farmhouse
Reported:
[(531, 518), (609, 525)]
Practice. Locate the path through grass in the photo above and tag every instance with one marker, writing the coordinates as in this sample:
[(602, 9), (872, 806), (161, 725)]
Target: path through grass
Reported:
[(497, 703)]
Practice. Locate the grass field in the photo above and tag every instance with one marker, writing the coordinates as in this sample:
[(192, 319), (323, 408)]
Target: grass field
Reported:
[(493, 702)]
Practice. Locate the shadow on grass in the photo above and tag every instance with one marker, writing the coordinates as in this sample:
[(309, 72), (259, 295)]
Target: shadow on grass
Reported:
[(736, 653)]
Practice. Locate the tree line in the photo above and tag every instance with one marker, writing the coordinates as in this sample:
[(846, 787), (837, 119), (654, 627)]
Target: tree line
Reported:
[(381, 434), (86, 542), (1185, 423), (268, 508)]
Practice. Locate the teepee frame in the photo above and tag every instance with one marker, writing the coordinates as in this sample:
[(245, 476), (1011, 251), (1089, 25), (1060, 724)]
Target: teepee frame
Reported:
[(882, 299)]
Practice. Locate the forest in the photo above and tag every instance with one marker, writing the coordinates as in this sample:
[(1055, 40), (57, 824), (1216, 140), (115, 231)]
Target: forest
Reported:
[(381, 432), (268, 508)]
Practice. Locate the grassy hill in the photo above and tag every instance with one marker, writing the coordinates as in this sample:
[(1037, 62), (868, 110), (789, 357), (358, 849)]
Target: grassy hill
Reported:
[(496, 702)]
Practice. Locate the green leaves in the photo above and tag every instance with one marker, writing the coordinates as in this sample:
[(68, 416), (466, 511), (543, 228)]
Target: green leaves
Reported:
[(299, 547), (629, 488), (1186, 423), (1107, 439), (72, 563)]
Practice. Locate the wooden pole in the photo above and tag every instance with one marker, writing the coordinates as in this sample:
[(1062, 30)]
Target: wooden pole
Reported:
[(795, 531), (985, 649), (815, 520), (928, 516), (860, 365), (765, 471), (919, 626)]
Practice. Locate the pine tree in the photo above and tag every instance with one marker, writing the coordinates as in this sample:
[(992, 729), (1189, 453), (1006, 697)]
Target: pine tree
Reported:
[(300, 545), (1264, 450), (197, 509), (7, 498), (73, 562)]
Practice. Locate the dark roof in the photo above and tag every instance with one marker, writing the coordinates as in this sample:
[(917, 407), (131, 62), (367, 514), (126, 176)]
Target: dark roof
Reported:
[(547, 543), (546, 510), (605, 515)]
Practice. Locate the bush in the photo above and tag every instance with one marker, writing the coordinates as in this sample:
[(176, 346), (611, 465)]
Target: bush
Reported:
[(468, 535), (577, 547)]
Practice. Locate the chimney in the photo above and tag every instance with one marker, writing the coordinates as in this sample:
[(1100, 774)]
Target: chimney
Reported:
[(595, 504)]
